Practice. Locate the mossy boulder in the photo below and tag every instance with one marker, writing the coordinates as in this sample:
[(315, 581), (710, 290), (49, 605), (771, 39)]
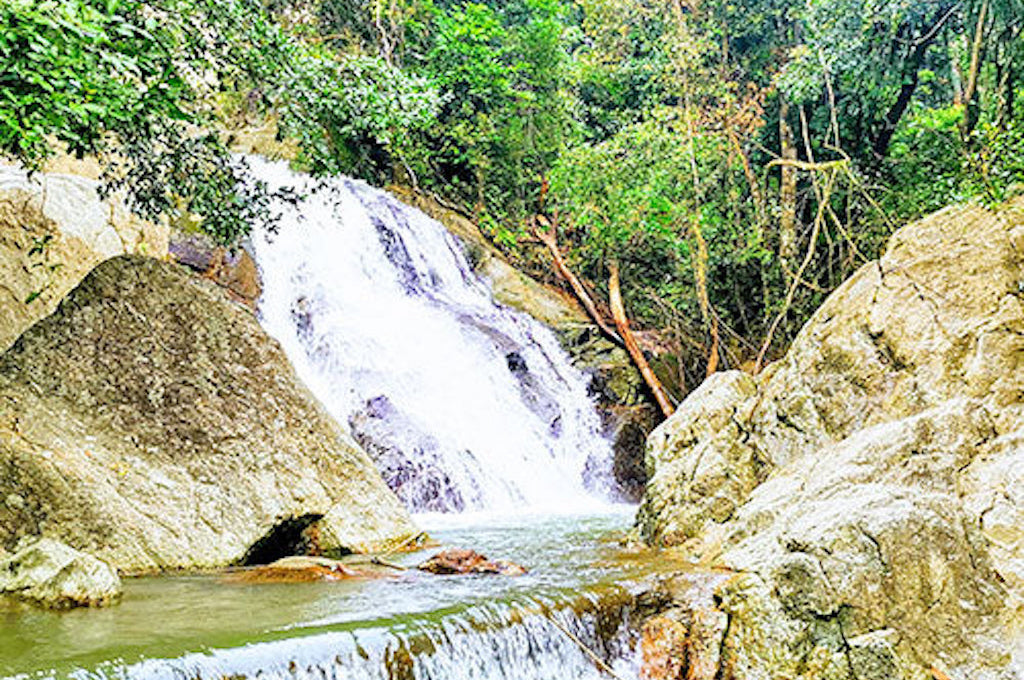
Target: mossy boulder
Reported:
[(151, 422)]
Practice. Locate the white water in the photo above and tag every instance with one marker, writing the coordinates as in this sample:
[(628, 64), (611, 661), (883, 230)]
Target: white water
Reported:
[(466, 405)]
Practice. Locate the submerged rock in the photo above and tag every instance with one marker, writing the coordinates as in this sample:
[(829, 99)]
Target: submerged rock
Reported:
[(460, 561), (152, 422), (408, 458), (867, 486), (55, 575), (297, 569)]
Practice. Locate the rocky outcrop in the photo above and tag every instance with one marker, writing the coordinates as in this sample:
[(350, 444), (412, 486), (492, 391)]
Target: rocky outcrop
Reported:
[(152, 422), (54, 575), (232, 269), (54, 229), (867, 488)]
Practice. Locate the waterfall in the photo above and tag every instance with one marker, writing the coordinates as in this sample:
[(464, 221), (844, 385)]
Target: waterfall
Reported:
[(464, 404), (521, 641)]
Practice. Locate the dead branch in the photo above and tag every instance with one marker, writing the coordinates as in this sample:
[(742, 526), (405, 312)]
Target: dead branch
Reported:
[(548, 237), (622, 324), (598, 661)]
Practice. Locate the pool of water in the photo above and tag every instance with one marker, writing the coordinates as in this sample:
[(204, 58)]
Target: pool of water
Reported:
[(409, 625)]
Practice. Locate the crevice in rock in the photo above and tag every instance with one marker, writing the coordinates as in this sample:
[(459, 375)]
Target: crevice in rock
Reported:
[(291, 536)]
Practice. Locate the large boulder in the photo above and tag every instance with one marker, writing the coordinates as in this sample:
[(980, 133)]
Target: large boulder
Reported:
[(153, 423), (55, 575), (54, 229), (868, 487)]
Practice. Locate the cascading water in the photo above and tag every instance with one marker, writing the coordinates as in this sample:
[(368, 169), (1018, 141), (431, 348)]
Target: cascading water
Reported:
[(464, 404)]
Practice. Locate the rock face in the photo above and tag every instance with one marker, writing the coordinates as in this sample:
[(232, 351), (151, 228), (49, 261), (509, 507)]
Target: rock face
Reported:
[(53, 230), (869, 487), (233, 270), (151, 422), (52, 574)]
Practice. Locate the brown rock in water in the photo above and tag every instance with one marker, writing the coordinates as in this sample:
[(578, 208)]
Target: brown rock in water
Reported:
[(663, 649), (459, 561), (297, 569)]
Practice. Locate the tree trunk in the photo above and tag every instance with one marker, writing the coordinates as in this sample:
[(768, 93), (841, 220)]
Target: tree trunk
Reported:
[(549, 239), (787, 190), (622, 324), (883, 137), (971, 108)]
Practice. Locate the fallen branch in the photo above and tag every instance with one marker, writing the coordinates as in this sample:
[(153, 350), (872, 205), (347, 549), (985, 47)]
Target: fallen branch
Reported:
[(548, 238), (598, 661), (622, 324), (390, 565)]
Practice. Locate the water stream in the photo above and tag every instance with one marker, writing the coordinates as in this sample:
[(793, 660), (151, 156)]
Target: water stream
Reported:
[(465, 404), (411, 625), (474, 415)]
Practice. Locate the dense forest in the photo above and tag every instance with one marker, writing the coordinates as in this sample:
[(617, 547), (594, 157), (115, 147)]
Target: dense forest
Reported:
[(731, 161)]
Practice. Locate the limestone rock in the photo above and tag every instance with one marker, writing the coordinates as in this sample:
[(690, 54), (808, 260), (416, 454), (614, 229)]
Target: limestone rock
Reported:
[(868, 486), (699, 467), (54, 229), (152, 422), (55, 575)]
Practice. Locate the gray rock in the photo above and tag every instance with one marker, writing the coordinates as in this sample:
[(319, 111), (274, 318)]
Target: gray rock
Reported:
[(152, 422), (53, 230), (55, 575), (868, 486)]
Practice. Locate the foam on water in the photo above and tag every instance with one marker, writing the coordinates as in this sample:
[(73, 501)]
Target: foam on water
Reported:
[(465, 404)]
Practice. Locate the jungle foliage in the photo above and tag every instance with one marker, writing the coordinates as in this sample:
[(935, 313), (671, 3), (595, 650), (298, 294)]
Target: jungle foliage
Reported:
[(734, 159)]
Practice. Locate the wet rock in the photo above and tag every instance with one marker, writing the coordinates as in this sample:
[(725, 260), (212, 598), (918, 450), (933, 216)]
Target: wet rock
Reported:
[(408, 458), (868, 485), (233, 270), (460, 561), (54, 229), (628, 427), (153, 423), (297, 569), (55, 575), (663, 648)]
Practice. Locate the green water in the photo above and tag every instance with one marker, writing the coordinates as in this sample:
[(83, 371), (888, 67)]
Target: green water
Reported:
[(169, 617)]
